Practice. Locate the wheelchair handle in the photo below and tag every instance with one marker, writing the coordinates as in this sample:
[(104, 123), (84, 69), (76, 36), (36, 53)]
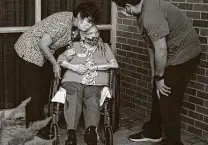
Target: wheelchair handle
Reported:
[(54, 86), (111, 78)]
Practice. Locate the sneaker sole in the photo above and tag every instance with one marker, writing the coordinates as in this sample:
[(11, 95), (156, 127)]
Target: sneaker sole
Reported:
[(146, 139)]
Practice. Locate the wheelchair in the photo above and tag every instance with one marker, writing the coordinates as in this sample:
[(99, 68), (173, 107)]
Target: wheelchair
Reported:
[(110, 109)]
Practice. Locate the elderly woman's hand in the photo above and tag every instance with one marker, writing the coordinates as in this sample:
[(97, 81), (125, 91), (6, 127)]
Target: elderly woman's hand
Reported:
[(81, 69), (93, 68), (57, 71)]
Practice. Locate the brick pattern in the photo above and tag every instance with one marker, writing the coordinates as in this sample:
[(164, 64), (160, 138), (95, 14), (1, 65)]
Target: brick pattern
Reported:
[(135, 70)]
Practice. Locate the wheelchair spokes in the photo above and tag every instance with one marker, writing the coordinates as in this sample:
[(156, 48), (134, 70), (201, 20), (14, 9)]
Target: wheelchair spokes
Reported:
[(54, 133), (108, 135), (108, 131)]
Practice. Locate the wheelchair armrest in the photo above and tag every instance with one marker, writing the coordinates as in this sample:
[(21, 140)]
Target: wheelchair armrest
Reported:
[(111, 77), (54, 87)]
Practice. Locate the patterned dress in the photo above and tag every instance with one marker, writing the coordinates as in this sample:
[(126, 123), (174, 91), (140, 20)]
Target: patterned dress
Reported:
[(58, 26), (89, 77)]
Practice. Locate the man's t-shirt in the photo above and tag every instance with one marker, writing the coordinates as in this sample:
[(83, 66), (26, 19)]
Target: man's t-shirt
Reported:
[(162, 19)]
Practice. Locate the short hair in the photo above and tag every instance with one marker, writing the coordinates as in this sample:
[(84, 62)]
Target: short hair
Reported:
[(122, 3), (87, 10)]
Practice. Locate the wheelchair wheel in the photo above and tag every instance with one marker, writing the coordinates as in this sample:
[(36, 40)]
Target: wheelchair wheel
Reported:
[(54, 135), (108, 135)]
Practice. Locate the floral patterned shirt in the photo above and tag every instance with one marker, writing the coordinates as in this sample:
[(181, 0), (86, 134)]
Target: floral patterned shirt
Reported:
[(78, 55), (57, 25)]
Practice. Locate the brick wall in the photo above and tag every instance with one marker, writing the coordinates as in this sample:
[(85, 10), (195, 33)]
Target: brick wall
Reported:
[(135, 70)]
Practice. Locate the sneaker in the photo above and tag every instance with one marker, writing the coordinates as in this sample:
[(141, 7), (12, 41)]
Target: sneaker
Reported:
[(91, 135), (139, 137), (71, 140)]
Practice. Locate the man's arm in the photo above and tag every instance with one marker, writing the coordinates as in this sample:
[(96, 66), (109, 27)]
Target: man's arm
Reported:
[(152, 60), (160, 64), (160, 56), (152, 64)]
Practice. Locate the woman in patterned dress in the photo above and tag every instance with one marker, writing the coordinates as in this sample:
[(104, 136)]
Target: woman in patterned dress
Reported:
[(38, 44)]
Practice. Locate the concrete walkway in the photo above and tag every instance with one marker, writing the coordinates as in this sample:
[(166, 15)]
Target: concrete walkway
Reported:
[(130, 123)]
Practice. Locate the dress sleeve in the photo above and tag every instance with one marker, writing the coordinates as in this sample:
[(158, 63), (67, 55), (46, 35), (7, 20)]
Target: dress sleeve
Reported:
[(55, 27)]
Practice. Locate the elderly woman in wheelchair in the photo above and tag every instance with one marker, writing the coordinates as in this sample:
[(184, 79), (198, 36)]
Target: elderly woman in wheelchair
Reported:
[(87, 62)]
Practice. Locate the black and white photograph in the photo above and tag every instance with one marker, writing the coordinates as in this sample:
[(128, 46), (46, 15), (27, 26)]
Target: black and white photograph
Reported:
[(103, 72)]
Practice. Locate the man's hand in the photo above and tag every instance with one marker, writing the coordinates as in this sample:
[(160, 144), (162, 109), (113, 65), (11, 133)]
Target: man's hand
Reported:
[(162, 88), (57, 71), (81, 69)]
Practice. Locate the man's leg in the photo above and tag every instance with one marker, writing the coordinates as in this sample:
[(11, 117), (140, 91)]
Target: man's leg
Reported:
[(73, 104), (151, 130), (176, 77), (170, 108)]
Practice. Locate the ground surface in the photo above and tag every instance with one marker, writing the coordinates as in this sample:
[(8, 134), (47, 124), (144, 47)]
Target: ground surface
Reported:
[(130, 123)]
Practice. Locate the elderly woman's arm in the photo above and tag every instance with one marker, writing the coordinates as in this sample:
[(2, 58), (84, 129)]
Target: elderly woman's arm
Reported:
[(64, 61), (67, 65), (112, 63)]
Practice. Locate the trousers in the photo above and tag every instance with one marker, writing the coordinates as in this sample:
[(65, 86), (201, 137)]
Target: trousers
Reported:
[(166, 110), (81, 97), (35, 83)]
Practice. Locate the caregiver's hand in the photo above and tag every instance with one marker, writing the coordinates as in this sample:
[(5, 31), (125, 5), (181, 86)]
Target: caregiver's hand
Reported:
[(57, 71)]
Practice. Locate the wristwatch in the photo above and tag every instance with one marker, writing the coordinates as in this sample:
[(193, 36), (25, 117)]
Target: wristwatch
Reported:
[(158, 78)]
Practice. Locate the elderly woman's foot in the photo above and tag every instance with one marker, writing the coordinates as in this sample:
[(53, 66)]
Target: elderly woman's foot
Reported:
[(71, 140), (91, 136)]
